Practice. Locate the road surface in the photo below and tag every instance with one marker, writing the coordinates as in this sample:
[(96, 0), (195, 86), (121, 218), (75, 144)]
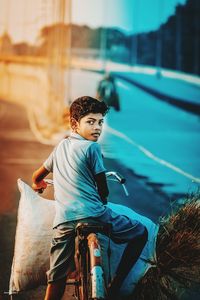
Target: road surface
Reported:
[(21, 154)]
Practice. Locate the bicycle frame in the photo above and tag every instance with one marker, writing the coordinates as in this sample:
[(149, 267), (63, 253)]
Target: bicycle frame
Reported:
[(97, 281), (90, 282)]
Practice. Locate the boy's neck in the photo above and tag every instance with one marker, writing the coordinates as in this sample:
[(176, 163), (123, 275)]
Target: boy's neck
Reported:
[(75, 134)]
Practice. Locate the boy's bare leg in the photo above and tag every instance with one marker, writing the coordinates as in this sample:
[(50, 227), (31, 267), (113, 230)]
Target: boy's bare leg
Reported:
[(55, 290)]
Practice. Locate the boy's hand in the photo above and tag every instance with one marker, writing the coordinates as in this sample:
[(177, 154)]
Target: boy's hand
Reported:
[(40, 186)]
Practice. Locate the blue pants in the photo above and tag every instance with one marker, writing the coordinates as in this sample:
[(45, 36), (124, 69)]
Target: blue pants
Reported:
[(123, 230)]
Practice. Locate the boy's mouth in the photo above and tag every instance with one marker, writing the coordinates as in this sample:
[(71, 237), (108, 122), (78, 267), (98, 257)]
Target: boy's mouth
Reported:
[(96, 134)]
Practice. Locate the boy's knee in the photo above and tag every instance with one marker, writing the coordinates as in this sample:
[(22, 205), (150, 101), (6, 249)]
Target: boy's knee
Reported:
[(141, 236), (140, 239)]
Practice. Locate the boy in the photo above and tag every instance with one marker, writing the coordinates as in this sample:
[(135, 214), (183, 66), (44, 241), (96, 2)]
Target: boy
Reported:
[(81, 192)]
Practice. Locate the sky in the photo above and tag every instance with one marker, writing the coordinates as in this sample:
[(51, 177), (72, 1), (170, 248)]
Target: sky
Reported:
[(130, 15), (24, 18)]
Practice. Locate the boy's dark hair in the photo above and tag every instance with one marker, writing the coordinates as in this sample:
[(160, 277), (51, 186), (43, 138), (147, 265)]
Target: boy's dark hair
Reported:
[(85, 105)]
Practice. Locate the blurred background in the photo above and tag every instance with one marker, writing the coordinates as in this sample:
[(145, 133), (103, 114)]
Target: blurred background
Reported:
[(140, 56)]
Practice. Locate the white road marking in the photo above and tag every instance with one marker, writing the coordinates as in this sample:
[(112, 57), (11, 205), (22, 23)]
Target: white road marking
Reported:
[(151, 155)]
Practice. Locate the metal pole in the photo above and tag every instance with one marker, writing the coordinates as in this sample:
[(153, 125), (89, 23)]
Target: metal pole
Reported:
[(196, 39), (134, 40), (159, 41), (103, 48), (69, 52), (103, 43), (178, 39)]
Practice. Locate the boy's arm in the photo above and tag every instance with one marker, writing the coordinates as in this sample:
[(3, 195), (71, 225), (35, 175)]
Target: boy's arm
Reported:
[(102, 186), (38, 183)]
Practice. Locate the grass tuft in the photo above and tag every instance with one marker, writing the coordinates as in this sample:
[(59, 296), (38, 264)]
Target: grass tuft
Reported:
[(178, 255)]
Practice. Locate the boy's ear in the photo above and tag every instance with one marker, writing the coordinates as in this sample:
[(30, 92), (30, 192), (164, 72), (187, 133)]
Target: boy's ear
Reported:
[(73, 123)]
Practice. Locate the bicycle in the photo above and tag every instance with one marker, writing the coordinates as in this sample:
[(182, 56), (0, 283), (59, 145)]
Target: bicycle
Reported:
[(142, 280), (89, 279)]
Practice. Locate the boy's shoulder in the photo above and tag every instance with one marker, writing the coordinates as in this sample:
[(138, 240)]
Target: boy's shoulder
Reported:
[(78, 143)]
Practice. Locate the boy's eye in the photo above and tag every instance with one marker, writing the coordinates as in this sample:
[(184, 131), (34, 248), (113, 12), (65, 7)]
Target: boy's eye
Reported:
[(90, 122)]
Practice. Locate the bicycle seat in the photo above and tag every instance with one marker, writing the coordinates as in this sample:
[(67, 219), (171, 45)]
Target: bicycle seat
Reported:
[(87, 228)]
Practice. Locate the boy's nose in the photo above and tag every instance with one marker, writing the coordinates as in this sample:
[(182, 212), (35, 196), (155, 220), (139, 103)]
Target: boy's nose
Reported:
[(97, 126)]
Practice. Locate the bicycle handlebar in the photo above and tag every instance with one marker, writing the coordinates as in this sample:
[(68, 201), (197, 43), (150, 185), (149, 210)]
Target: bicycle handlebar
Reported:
[(117, 176), (49, 181)]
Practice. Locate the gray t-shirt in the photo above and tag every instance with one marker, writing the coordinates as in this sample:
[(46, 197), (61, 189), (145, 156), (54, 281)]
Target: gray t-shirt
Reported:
[(74, 162)]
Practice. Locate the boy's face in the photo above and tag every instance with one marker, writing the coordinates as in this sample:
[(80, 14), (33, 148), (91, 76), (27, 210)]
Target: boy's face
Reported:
[(90, 126)]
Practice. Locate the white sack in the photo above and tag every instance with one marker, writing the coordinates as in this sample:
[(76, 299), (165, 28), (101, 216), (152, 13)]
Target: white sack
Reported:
[(33, 238)]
